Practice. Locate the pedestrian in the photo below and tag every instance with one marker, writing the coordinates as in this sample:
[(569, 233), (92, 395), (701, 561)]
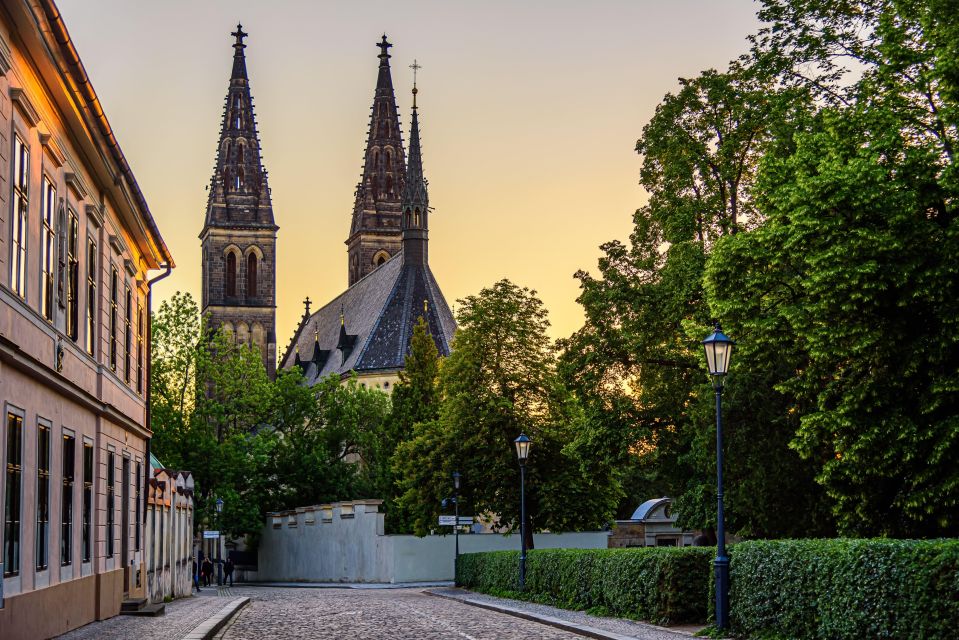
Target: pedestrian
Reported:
[(207, 571), (228, 571), (196, 576)]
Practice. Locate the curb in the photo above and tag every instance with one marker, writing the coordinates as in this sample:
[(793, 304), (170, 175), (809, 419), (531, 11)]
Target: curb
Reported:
[(209, 627), (572, 627)]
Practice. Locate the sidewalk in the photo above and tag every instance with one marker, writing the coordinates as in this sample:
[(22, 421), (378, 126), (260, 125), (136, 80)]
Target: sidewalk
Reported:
[(576, 622), (181, 618), (346, 585)]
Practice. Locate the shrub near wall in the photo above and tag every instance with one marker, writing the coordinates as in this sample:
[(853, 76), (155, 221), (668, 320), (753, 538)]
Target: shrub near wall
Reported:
[(839, 589), (659, 584)]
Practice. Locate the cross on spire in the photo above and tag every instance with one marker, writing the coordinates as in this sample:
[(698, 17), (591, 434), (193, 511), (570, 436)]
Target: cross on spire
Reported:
[(307, 304), (415, 67), (239, 35)]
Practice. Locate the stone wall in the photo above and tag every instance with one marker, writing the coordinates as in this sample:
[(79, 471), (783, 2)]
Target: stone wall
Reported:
[(345, 542), (169, 535)]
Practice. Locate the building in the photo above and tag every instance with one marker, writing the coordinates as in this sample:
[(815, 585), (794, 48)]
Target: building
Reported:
[(367, 329), (653, 524), (239, 233), (77, 245), (169, 534)]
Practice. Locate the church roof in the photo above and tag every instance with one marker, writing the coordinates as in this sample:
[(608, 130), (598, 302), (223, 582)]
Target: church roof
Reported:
[(376, 315)]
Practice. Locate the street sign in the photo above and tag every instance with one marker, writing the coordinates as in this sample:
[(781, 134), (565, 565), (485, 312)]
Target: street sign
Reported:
[(212, 534), (450, 521)]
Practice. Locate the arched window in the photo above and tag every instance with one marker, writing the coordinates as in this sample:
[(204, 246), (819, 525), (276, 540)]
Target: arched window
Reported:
[(251, 276), (389, 185), (409, 218), (239, 177), (416, 217), (231, 274), (242, 153), (376, 159), (389, 161)]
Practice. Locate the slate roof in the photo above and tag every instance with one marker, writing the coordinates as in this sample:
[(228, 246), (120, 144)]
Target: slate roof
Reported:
[(378, 315)]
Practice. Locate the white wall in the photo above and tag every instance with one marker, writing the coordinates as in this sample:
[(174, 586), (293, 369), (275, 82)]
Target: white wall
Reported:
[(353, 549)]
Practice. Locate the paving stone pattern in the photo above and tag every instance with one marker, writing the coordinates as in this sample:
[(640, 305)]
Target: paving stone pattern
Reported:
[(180, 618), (396, 614)]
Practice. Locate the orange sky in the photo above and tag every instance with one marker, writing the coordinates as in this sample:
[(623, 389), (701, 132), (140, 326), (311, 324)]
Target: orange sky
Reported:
[(529, 113)]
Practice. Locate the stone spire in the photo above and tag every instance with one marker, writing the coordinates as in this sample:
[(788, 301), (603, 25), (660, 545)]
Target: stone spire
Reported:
[(375, 234), (239, 191), (415, 223)]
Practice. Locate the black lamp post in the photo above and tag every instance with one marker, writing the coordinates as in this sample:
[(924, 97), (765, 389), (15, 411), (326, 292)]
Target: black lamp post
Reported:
[(456, 503), (219, 563), (718, 349), (522, 453)]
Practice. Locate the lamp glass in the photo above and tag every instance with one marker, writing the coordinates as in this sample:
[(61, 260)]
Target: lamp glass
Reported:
[(219, 505), (719, 349), (456, 479), (522, 447)]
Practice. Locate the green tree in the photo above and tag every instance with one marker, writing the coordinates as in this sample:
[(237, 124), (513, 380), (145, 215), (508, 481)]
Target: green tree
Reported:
[(500, 380), (414, 400)]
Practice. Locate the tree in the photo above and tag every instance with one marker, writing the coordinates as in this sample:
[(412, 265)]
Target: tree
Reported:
[(500, 380), (414, 400), (637, 364)]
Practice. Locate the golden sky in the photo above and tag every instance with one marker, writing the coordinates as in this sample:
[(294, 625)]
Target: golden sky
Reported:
[(529, 113)]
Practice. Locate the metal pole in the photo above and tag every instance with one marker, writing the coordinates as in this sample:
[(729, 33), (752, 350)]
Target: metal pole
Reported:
[(522, 526), (721, 565), (456, 529)]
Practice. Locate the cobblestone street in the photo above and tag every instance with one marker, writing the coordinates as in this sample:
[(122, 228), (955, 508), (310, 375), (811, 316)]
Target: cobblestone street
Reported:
[(400, 614)]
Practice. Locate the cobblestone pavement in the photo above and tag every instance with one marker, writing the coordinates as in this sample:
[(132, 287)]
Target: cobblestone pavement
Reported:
[(180, 618), (396, 614)]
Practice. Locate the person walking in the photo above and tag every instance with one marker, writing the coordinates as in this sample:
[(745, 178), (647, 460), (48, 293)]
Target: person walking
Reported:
[(196, 576), (207, 571), (228, 571)]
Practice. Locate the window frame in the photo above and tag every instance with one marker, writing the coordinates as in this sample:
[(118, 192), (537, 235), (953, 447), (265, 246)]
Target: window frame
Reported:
[(13, 493), (48, 245), (19, 215), (73, 275), (110, 479), (114, 304), (128, 335), (42, 532), (92, 288), (86, 524), (68, 476)]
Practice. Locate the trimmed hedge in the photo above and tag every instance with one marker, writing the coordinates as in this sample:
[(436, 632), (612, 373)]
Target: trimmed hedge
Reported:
[(662, 585), (839, 589)]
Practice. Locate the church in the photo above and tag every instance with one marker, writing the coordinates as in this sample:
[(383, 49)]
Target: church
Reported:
[(366, 330)]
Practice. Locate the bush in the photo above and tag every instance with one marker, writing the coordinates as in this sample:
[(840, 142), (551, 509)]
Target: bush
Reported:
[(662, 585), (840, 589)]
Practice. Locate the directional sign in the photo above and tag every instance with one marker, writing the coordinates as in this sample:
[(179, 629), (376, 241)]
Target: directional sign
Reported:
[(211, 534), (450, 521)]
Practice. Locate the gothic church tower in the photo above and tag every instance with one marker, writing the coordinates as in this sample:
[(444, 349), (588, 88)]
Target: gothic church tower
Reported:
[(239, 233), (375, 233)]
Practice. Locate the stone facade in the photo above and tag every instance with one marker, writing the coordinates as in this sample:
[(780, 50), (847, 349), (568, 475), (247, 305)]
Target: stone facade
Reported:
[(77, 244), (169, 535), (239, 234)]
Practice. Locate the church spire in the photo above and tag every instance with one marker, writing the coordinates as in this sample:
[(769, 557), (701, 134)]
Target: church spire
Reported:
[(239, 191), (415, 223), (375, 227)]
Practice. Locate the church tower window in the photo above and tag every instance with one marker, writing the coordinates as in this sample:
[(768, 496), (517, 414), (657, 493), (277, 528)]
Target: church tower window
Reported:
[(231, 274), (251, 276)]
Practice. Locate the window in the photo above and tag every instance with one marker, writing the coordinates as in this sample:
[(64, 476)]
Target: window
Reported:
[(87, 501), (251, 276), (111, 496), (48, 197), (231, 274), (66, 501), (73, 277), (18, 237), (11, 502), (114, 300), (91, 297), (140, 346), (43, 494), (128, 336), (136, 495)]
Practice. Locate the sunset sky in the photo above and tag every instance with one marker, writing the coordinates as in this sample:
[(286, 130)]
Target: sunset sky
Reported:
[(529, 113)]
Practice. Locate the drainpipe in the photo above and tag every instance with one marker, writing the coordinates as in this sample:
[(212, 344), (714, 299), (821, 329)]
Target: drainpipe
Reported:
[(149, 412)]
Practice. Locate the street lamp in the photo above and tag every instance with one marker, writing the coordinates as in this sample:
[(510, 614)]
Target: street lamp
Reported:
[(456, 503), (219, 563), (522, 453), (719, 348)]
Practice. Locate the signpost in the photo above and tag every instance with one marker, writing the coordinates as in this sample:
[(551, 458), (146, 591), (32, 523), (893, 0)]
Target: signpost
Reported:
[(450, 521), (208, 535)]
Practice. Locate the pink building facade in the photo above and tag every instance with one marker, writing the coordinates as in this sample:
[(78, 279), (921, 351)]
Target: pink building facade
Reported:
[(77, 248)]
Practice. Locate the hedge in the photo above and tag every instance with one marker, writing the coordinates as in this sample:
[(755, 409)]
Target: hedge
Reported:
[(839, 589), (662, 585)]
